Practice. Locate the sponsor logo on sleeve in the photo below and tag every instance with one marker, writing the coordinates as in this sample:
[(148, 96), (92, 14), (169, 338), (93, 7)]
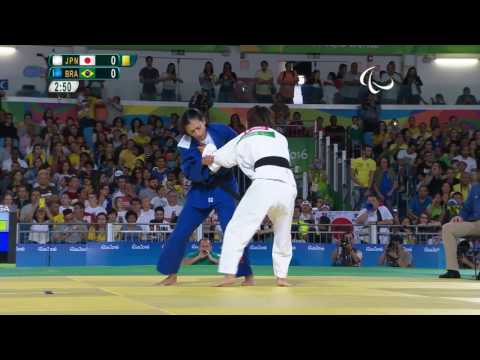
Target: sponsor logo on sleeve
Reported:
[(20, 248)]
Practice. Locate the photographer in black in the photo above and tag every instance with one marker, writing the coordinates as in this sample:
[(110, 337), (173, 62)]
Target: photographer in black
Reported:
[(345, 254), (466, 255), (395, 254)]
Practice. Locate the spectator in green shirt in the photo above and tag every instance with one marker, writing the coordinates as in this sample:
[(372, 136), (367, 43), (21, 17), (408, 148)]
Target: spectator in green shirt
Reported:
[(203, 256)]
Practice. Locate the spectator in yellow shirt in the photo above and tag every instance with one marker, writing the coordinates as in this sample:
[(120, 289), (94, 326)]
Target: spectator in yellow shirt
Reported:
[(37, 152), (464, 186), (74, 156), (127, 156), (54, 213), (363, 169), (142, 138), (264, 84), (412, 127), (98, 231)]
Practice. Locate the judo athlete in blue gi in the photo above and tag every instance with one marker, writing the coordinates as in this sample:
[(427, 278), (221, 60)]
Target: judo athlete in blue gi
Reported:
[(209, 191)]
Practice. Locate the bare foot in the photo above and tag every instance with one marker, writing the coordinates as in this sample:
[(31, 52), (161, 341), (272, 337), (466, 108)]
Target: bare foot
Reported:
[(283, 282), (169, 280), (227, 281), (249, 281)]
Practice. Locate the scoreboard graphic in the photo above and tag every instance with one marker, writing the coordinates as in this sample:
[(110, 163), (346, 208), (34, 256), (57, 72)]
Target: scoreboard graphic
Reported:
[(66, 70)]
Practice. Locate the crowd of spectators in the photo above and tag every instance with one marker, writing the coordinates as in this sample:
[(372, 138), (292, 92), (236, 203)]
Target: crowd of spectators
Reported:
[(342, 87), (128, 174)]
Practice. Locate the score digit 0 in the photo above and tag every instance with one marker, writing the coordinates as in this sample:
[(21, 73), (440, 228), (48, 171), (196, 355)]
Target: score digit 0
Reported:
[(113, 60), (113, 72)]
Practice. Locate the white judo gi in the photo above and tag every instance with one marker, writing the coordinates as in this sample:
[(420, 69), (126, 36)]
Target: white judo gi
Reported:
[(272, 192)]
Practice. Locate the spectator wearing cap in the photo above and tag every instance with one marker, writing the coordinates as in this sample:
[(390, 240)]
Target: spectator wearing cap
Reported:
[(466, 98)]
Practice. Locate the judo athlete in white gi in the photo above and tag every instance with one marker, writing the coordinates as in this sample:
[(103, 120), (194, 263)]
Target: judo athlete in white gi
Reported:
[(262, 154)]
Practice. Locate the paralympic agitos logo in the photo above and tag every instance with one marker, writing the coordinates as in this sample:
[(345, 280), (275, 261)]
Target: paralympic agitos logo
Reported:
[(373, 86)]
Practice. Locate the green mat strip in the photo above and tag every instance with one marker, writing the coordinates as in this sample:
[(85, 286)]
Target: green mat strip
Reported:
[(196, 270)]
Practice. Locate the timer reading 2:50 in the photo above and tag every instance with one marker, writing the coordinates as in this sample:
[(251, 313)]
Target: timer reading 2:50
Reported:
[(63, 86)]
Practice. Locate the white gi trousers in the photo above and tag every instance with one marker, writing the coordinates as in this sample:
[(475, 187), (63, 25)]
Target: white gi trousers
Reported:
[(264, 197)]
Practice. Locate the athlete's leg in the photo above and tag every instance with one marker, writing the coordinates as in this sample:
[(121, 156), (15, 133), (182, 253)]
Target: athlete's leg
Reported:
[(174, 250), (246, 220), (225, 211)]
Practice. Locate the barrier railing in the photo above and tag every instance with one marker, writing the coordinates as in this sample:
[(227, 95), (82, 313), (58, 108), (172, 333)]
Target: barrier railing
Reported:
[(324, 233)]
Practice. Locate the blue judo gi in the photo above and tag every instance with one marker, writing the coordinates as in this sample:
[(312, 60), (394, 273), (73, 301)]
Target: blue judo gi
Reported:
[(209, 191)]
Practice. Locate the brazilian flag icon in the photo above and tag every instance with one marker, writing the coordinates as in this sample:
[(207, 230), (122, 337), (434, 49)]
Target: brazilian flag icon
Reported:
[(87, 73)]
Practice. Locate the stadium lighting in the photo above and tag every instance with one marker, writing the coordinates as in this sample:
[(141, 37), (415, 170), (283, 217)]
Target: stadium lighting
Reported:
[(7, 50), (456, 62)]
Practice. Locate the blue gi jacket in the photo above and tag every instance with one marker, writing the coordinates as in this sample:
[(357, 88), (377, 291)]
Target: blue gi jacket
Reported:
[(207, 188)]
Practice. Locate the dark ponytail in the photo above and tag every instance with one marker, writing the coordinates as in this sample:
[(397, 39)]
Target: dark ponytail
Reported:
[(258, 116), (188, 116)]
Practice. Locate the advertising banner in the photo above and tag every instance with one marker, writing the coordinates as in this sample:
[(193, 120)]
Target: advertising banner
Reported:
[(146, 253)]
